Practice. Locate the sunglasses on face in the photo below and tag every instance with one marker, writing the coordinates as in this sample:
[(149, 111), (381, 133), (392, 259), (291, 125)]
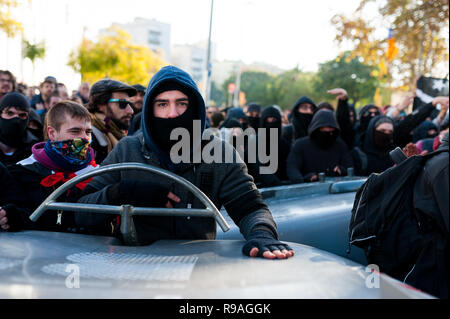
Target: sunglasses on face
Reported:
[(372, 114), (122, 103)]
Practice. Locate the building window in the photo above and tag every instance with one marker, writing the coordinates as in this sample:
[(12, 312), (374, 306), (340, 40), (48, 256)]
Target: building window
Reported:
[(153, 37)]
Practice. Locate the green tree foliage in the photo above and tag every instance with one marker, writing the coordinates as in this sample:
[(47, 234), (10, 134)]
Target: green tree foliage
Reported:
[(115, 56), (8, 24), (419, 29), (350, 74), (286, 89), (254, 84)]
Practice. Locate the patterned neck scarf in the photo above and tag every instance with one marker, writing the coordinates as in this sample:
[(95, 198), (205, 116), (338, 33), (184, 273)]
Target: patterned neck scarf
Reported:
[(70, 155)]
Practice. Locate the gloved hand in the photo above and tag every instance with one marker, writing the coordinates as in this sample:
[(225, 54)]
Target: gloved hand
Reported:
[(265, 241), (138, 193)]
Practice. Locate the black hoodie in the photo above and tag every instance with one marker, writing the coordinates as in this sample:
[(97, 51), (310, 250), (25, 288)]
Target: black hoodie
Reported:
[(267, 180), (307, 157), (300, 122), (369, 158)]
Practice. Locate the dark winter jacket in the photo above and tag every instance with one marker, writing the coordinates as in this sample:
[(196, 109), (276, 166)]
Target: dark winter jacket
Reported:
[(30, 176), (369, 158), (267, 180), (308, 158), (298, 127), (431, 204), (226, 184), (346, 125), (22, 152)]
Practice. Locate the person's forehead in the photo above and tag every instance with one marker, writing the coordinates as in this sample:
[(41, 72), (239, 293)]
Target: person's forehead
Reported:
[(5, 76), (75, 122), (174, 94), (120, 95), (385, 126)]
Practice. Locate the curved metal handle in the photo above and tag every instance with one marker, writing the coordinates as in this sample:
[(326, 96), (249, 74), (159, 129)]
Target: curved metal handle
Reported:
[(126, 210)]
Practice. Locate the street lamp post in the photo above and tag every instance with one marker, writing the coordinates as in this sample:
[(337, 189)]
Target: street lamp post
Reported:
[(208, 59)]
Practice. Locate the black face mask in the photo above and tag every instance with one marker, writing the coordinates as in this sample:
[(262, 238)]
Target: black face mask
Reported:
[(364, 122), (161, 129), (254, 122), (13, 131), (382, 140), (303, 119), (325, 140)]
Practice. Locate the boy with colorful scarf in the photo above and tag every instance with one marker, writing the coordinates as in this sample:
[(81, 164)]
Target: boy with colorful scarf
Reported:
[(66, 154)]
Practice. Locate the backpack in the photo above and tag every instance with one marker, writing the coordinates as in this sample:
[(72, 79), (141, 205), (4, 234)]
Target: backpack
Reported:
[(385, 225)]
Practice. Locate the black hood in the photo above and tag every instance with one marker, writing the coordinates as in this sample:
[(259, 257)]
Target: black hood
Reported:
[(421, 131), (270, 111), (323, 118), (303, 99), (170, 76), (369, 143)]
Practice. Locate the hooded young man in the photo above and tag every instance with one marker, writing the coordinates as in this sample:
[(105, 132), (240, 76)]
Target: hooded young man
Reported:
[(321, 151), (15, 139), (66, 154), (301, 117), (173, 101)]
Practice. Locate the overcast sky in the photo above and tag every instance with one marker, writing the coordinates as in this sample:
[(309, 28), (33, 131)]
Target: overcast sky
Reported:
[(285, 33)]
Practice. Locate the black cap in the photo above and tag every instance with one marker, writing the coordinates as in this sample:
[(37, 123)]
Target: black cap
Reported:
[(139, 88), (108, 85), (50, 79), (15, 99)]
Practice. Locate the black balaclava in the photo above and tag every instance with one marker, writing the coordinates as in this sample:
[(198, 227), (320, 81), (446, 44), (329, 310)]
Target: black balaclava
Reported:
[(382, 140), (365, 120), (161, 128), (13, 131), (253, 121), (325, 140)]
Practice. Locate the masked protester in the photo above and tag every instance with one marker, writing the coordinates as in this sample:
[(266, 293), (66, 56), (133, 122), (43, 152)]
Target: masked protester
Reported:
[(15, 139), (270, 119), (320, 152), (254, 115), (65, 155), (301, 116), (172, 100), (373, 156)]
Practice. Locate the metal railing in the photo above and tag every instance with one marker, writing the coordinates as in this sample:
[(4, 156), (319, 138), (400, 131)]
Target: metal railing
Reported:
[(126, 212)]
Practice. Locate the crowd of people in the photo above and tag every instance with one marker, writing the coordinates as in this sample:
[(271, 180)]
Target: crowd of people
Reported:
[(48, 136)]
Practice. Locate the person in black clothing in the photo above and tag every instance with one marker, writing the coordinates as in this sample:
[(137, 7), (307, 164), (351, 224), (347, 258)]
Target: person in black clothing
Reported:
[(426, 129), (66, 154), (403, 128), (321, 151), (431, 205), (15, 139), (373, 156), (270, 118), (301, 116), (254, 115)]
